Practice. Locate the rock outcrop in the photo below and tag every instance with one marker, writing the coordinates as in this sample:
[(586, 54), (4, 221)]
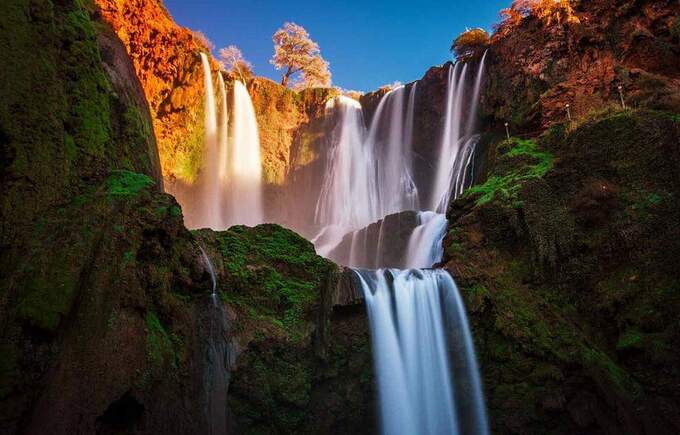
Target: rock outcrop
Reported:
[(100, 286), (299, 338), (167, 62), (536, 68), (566, 259)]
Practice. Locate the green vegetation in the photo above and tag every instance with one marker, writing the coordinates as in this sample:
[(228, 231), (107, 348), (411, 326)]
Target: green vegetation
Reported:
[(190, 149), (50, 292), (159, 346), (123, 183), (527, 162), (275, 275)]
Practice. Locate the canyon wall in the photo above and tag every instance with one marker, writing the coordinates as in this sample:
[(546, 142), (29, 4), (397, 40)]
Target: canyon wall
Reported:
[(536, 68)]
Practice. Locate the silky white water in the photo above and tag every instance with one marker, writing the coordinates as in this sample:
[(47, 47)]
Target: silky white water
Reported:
[(245, 168), (425, 365), (457, 140), (223, 143), (349, 178), (425, 244), (214, 331), (414, 317), (392, 147), (368, 171), (210, 213)]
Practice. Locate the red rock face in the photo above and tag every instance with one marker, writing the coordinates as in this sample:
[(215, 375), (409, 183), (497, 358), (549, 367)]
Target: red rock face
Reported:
[(166, 59), (536, 69)]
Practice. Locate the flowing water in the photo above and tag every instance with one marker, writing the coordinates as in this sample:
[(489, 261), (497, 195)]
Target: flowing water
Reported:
[(217, 357), (223, 152), (229, 186), (211, 209), (392, 147), (426, 370), (458, 141), (416, 316), (368, 171), (245, 168), (371, 214)]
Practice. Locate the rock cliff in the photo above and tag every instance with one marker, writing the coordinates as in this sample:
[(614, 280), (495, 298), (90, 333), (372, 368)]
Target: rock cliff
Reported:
[(536, 68)]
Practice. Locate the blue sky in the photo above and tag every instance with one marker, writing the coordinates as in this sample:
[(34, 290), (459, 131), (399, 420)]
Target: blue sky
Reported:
[(368, 43)]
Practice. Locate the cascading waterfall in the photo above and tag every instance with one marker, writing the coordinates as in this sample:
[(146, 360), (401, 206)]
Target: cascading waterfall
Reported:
[(396, 189), (425, 244), (223, 152), (349, 178), (229, 187), (371, 168), (414, 316), (212, 194), (245, 168), (457, 142), (425, 364)]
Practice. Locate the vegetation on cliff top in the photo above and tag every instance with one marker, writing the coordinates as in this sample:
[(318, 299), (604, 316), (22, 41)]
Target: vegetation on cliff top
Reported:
[(274, 276)]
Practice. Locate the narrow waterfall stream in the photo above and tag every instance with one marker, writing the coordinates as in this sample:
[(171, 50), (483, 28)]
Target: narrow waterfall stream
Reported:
[(211, 194), (215, 373)]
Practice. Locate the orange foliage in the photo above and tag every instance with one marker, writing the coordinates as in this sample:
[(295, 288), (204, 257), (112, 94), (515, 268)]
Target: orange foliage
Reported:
[(549, 11), (469, 43)]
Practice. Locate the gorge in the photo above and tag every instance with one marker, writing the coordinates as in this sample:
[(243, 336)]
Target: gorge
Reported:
[(464, 255)]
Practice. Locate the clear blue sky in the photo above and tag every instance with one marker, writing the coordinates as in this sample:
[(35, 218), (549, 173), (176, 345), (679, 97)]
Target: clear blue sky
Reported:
[(368, 43)]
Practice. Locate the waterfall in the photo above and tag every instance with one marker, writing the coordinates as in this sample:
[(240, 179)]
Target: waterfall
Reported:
[(217, 357), (424, 358), (210, 213), (469, 130), (349, 176), (223, 152), (245, 168), (367, 167), (387, 136), (413, 315), (425, 244), (457, 142)]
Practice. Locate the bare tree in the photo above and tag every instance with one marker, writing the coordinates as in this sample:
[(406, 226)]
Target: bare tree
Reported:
[(295, 52)]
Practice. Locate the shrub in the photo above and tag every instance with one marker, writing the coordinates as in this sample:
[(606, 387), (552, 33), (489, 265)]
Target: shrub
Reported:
[(469, 43)]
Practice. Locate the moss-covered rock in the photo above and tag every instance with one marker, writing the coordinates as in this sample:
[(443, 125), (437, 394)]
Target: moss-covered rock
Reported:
[(565, 256), (303, 360)]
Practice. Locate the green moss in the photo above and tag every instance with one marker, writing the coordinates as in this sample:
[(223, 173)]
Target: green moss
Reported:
[(527, 163), (189, 158), (175, 211), (123, 183), (274, 275), (50, 293), (159, 346), (90, 113), (609, 375), (631, 339), (128, 257), (113, 319)]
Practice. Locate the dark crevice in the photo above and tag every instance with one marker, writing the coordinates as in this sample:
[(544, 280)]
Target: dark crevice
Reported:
[(125, 414)]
